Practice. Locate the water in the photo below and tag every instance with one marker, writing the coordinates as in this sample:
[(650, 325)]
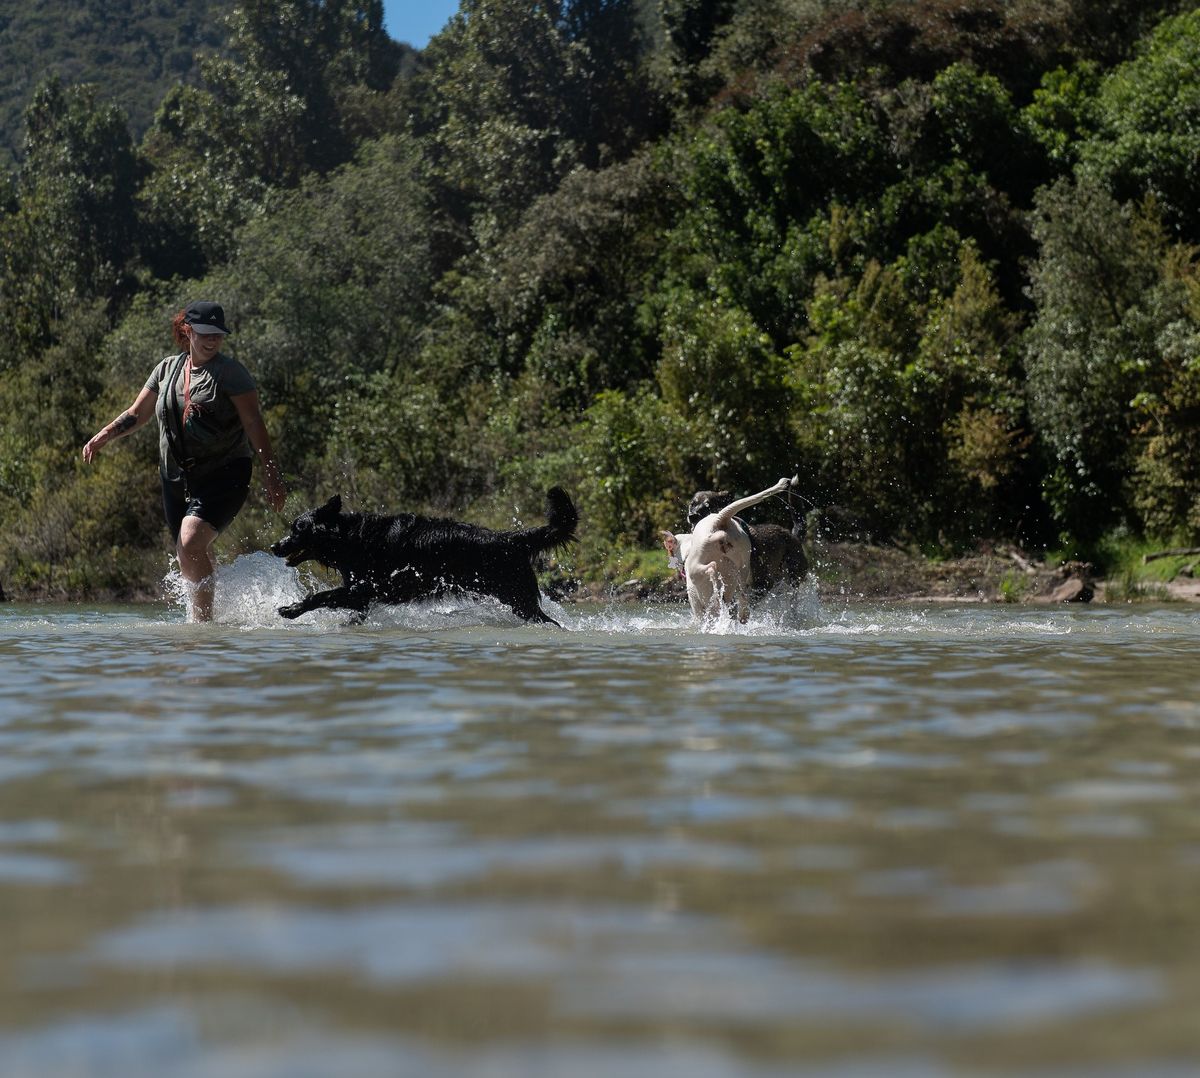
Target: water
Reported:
[(843, 840)]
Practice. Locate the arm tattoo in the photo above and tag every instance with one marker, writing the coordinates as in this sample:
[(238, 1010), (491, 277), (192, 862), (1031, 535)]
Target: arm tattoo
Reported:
[(125, 422)]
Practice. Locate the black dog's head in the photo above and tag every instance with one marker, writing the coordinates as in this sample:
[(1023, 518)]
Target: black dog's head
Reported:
[(705, 502), (308, 538)]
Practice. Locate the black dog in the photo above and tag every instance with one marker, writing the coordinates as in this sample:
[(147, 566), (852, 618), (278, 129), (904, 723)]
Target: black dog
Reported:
[(397, 559), (775, 553)]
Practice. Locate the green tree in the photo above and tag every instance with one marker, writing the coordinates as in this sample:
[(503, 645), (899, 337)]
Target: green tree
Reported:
[(516, 95), (1063, 112), (691, 28), (629, 452), (720, 373), (1088, 347), (1165, 493), (286, 101), (756, 185), (974, 119), (1147, 139), (907, 399), (317, 51), (563, 290), (63, 530), (331, 288), (70, 236)]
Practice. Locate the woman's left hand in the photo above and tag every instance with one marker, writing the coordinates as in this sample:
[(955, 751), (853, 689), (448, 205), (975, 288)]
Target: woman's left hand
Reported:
[(256, 431)]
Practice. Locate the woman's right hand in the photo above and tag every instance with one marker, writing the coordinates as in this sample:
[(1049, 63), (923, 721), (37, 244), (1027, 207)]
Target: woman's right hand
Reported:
[(127, 421), (94, 445)]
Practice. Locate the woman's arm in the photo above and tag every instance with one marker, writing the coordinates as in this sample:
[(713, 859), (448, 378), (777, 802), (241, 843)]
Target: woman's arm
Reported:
[(260, 442), (125, 423)]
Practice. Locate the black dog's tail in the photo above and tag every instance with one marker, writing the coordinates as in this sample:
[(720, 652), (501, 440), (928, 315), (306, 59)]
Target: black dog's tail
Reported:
[(559, 529)]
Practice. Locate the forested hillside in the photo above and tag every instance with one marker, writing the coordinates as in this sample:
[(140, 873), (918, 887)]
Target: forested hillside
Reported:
[(937, 257), (135, 49)]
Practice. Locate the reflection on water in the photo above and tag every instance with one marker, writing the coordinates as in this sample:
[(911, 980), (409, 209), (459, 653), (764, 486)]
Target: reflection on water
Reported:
[(851, 840)]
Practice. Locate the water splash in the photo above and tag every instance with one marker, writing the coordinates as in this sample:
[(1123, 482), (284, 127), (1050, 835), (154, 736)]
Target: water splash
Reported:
[(251, 588), (248, 591), (785, 610)]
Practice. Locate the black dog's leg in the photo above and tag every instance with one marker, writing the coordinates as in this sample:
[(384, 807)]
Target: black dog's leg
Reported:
[(344, 598), (528, 607)]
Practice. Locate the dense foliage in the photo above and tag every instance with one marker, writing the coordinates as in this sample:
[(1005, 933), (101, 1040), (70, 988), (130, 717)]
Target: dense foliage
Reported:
[(937, 257)]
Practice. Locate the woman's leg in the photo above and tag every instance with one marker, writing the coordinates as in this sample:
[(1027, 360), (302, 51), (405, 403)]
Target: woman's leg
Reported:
[(194, 549), (213, 503)]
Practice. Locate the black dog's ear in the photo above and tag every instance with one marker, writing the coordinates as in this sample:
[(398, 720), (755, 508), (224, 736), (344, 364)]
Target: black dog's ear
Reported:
[(332, 507)]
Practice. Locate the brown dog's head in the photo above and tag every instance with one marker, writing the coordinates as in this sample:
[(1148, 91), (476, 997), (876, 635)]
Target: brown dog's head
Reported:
[(705, 502)]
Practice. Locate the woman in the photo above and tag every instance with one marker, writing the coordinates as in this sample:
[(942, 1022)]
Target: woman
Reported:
[(210, 427)]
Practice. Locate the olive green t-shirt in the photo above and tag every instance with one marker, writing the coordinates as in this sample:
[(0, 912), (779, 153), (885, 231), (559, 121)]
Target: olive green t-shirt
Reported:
[(214, 434)]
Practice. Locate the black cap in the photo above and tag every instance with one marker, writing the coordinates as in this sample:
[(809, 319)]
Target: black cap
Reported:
[(206, 317)]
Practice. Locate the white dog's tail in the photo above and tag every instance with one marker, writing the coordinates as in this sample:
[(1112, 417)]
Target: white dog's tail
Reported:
[(733, 508)]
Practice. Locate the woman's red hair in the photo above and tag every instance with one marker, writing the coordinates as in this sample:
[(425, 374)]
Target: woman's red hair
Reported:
[(177, 331)]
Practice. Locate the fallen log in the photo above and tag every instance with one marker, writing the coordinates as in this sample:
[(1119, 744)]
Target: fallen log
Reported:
[(1024, 563), (1182, 553)]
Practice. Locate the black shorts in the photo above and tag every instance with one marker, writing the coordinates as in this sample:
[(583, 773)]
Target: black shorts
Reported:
[(215, 498)]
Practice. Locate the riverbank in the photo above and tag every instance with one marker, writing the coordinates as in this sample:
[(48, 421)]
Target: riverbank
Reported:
[(1000, 574)]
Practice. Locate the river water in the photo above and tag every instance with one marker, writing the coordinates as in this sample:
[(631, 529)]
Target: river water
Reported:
[(846, 839)]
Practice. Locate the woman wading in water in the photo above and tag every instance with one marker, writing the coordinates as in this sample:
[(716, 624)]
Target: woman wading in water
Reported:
[(210, 428)]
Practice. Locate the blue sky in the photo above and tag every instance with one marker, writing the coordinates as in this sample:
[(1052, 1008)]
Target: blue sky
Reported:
[(416, 21)]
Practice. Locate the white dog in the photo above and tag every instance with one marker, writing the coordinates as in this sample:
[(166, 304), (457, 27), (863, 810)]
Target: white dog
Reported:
[(715, 558)]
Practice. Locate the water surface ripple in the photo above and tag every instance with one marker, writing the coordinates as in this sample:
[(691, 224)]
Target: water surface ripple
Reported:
[(848, 840)]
